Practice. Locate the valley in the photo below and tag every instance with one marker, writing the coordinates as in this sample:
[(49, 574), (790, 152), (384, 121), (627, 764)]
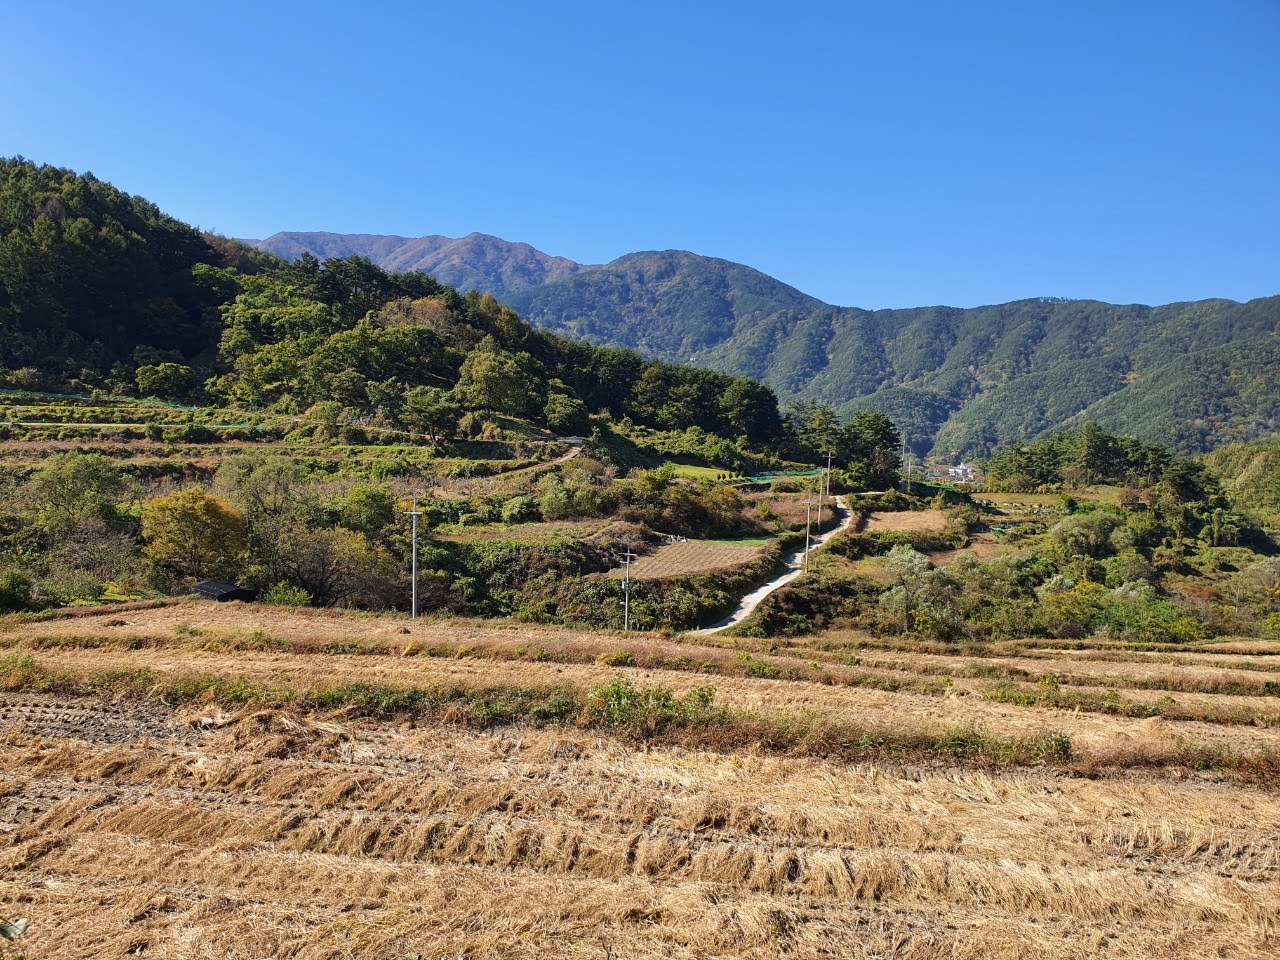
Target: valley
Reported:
[(591, 700)]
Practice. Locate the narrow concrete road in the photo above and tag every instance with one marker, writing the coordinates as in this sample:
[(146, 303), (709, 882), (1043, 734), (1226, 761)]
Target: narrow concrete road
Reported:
[(795, 567)]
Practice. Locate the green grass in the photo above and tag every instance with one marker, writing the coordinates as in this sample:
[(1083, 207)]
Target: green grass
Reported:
[(691, 472)]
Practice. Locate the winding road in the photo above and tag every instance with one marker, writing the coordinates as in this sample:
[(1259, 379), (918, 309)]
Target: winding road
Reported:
[(795, 567)]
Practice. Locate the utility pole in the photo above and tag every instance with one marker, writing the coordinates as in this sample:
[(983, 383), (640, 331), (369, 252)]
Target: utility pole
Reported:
[(415, 513), (821, 482), (830, 455), (626, 588), (808, 514)]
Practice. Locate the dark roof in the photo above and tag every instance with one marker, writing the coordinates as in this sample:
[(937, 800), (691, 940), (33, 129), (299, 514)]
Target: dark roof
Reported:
[(216, 590)]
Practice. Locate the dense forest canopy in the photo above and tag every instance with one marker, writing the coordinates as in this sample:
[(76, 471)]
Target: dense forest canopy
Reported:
[(959, 381), (89, 276)]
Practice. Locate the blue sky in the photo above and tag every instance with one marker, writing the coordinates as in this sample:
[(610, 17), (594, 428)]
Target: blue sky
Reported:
[(871, 154)]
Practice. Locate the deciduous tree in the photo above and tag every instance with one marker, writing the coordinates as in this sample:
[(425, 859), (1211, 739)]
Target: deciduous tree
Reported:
[(194, 534)]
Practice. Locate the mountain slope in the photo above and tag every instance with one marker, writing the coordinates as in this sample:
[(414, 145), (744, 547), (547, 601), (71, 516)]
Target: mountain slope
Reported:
[(958, 381), (476, 261), (668, 303)]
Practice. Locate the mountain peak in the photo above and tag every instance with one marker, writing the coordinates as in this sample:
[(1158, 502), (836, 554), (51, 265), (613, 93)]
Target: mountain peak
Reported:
[(478, 260)]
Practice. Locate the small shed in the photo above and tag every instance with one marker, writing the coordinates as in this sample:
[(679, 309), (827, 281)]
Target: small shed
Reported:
[(216, 590)]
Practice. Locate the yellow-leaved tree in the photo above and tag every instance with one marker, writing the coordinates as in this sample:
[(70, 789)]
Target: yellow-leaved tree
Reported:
[(194, 534)]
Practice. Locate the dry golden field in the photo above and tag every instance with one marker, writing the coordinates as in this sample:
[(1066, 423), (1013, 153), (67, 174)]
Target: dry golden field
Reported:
[(206, 781), (906, 520), (692, 557)]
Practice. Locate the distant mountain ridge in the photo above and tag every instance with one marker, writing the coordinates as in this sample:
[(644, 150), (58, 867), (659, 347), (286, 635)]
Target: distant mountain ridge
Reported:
[(476, 261), (958, 381)]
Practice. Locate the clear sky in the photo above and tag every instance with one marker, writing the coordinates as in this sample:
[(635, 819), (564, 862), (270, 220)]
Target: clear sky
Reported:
[(872, 154)]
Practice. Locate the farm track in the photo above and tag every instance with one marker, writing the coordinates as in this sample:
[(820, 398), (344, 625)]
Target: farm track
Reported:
[(130, 827), (795, 568)]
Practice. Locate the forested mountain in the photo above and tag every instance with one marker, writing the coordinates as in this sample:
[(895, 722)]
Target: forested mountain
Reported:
[(1250, 473), (101, 291), (959, 381)]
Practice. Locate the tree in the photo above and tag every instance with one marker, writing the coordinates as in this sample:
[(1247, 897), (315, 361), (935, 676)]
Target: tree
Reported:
[(432, 411), (873, 440), (1095, 456), (195, 534), (337, 566), (168, 380), (910, 570), (264, 487), (491, 380), (565, 415), (272, 492), (71, 488), (75, 498), (367, 509), (750, 409), (815, 428), (1085, 534)]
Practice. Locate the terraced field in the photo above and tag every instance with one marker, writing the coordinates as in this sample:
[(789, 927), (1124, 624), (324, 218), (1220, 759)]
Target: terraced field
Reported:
[(206, 781), (688, 558), (905, 521)]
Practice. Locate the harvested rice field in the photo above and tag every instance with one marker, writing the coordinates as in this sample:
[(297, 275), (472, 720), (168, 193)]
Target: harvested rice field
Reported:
[(208, 781)]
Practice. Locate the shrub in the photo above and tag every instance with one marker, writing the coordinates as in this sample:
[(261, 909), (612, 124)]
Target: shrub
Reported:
[(286, 595), (15, 592), (620, 658), (645, 710), (518, 510)]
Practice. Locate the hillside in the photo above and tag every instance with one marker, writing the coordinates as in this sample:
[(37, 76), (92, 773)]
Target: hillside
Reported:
[(91, 277), (958, 381), (1250, 473)]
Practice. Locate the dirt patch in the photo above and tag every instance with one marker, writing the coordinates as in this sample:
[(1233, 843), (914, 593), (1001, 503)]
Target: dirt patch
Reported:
[(906, 521), (982, 546)]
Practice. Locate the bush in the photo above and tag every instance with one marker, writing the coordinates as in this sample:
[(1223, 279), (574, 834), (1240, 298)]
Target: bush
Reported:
[(620, 658), (518, 510), (15, 592), (646, 710), (286, 595), (565, 414)]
